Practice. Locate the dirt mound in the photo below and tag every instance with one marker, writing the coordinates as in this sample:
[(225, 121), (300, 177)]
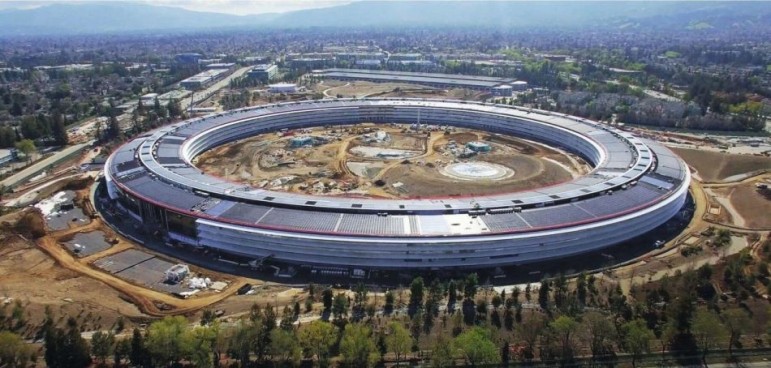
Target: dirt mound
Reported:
[(30, 224)]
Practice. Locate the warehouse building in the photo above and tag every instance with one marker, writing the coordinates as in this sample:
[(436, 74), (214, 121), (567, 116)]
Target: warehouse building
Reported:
[(203, 79), (436, 80)]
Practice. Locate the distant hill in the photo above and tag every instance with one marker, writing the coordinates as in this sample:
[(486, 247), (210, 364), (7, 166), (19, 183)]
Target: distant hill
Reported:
[(115, 17), (532, 14)]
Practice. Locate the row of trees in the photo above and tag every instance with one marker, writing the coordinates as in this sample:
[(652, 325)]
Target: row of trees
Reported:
[(258, 339), (49, 129), (143, 118), (550, 323)]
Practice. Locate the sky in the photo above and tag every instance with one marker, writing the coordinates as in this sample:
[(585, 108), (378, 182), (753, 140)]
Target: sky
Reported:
[(239, 7)]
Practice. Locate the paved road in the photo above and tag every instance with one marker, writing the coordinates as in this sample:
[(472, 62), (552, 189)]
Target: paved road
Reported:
[(31, 195), (46, 163)]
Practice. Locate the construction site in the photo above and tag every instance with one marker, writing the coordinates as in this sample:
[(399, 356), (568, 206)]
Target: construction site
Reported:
[(391, 161), (61, 255)]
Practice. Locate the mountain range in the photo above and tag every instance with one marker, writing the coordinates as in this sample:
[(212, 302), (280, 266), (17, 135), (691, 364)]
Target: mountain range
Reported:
[(121, 17)]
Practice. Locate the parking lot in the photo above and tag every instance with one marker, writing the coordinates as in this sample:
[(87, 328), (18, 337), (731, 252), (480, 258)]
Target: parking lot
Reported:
[(57, 218), (86, 244), (140, 267)]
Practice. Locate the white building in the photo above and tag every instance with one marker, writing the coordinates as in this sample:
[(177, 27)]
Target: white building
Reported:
[(282, 88), (504, 90), (149, 98), (519, 85)]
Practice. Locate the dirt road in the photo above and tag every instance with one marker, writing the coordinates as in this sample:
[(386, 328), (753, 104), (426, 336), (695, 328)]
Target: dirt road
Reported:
[(429, 151), (148, 301)]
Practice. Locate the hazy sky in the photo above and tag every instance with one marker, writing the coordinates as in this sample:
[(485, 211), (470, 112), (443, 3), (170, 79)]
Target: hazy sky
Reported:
[(221, 6)]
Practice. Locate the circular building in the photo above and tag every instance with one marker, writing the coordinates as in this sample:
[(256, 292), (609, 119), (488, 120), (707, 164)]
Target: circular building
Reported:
[(634, 186)]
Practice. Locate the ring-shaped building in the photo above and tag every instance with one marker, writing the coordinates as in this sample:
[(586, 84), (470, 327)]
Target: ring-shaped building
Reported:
[(635, 185)]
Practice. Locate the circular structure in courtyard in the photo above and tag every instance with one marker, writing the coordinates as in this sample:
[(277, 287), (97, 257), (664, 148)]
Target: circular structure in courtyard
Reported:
[(478, 171), (631, 186)]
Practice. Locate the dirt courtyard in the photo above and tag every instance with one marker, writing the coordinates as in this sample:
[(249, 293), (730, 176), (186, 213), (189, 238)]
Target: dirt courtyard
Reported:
[(387, 161)]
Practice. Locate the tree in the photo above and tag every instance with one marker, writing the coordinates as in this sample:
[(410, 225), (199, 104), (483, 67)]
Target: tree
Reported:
[(529, 330), (581, 289), (74, 348), (203, 344), (398, 341), (168, 340), (296, 311), (357, 346), (565, 327), (27, 147), (416, 292), (508, 319), (121, 351), (452, 295), (327, 296), (560, 291), (16, 109), (388, 308), (66, 348), (113, 129), (285, 346), (340, 306), (600, 334), (7, 137), (59, 132), (543, 294), (242, 338), (136, 121), (265, 322), (736, 323), (174, 108), (14, 352), (102, 345), (707, 330), (139, 356), (637, 338), (442, 353), (287, 318), (470, 286), (528, 293), (416, 324), (359, 299), (52, 344), (207, 317), (477, 347), (497, 301), (318, 337), (513, 300)]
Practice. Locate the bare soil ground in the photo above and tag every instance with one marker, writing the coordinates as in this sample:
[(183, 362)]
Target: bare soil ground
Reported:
[(365, 89), (370, 89), (31, 276), (333, 169), (716, 166), (752, 205), (424, 181)]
